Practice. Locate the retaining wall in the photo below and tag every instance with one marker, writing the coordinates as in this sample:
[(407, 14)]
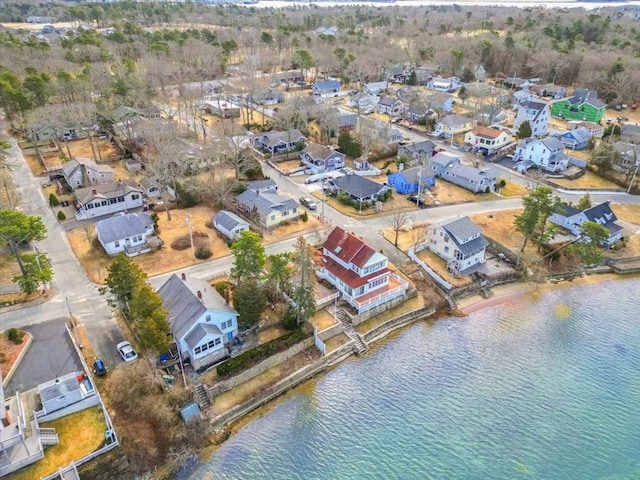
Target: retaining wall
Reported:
[(389, 326), (225, 385), (327, 333)]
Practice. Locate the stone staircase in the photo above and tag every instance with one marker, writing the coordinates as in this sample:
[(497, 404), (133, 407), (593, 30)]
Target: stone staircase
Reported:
[(201, 397), (359, 345)]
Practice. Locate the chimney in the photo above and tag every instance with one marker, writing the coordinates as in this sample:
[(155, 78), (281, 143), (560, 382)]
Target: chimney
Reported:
[(94, 192), (199, 293), (184, 276), (6, 419)]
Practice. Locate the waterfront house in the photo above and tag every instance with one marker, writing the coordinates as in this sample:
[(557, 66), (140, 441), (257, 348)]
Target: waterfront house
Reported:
[(359, 271), (327, 87), (417, 151), (201, 322), (278, 142), (547, 154), (538, 116), (82, 172), (459, 242), (576, 139), (263, 204), (447, 166), (390, 106), (412, 180), (107, 198), (229, 224), (360, 189), (320, 159), (581, 106), (488, 140), (572, 219), (452, 125), (132, 233), (65, 395)]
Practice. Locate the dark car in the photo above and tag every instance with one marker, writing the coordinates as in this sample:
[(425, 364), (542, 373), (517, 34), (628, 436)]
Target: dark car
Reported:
[(416, 199), (98, 368)]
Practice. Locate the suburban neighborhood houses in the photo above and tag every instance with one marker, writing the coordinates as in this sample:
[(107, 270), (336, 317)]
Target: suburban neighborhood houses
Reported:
[(204, 205)]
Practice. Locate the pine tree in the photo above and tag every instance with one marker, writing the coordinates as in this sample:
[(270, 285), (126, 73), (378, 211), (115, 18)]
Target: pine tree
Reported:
[(303, 281), (524, 131)]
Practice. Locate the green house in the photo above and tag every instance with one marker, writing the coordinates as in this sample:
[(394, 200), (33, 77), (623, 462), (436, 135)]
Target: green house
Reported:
[(574, 108)]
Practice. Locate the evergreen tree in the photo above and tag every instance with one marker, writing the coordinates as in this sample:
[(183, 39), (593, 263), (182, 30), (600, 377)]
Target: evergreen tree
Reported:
[(248, 257), (585, 202), (303, 281), (250, 301), (413, 78), (124, 279), (37, 272), (538, 207), (524, 131)]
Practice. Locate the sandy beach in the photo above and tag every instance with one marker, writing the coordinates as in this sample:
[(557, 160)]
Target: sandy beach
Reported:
[(504, 293)]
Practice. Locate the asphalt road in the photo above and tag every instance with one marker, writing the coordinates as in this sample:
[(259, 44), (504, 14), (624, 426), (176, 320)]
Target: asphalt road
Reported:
[(50, 355), (70, 280)]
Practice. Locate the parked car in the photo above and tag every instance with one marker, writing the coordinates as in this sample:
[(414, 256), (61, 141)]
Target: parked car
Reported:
[(99, 368), (127, 352), (418, 200), (308, 202)]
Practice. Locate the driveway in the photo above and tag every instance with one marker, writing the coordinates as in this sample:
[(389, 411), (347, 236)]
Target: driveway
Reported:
[(50, 355)]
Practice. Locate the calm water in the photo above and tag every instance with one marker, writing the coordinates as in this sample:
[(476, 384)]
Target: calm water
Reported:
[(533, 389)]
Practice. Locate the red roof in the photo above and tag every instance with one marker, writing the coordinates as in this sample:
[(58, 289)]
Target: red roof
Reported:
[(348, 247), (350, 277)]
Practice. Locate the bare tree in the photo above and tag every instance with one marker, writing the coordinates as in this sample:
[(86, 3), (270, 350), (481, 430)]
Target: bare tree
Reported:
[(396, 221)]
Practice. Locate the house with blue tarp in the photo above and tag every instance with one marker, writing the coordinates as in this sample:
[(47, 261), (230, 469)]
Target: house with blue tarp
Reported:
[(576, 139), (412, 180)]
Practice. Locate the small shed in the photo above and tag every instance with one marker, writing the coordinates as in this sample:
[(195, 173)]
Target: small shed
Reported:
[(229, 224)]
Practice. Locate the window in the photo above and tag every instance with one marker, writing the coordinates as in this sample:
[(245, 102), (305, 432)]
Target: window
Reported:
[(135, 196), (116, 244), (208, 318), (446, 249), (218, 341)]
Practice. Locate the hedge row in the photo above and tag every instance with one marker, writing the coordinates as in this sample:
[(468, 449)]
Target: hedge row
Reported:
[(254, 356)]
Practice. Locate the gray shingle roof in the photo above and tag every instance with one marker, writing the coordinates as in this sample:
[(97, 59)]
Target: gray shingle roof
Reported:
[(199, 332), (266, 202), (181, 301), (123, 226), (228, 220), (444, 158), (260, 184), (453, 120), (460, 230), (107, 190), (580, 134), (413, 174), (552, 143), (534, 105), (357, 186), (601, 212)]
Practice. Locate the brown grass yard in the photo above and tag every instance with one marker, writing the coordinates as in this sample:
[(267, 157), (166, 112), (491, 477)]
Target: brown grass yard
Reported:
[(95, 260), (407, 238), (512, 189), (499, 226), (296, 227), (440, 267), (80, 433), (336, 342), (9, 351), (588, 180), (322, 320), (8, 268), (406, 307), (35, 165), (627, 213), (253, 387)]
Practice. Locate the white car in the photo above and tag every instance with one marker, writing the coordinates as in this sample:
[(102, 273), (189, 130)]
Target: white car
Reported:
[(127, 352)]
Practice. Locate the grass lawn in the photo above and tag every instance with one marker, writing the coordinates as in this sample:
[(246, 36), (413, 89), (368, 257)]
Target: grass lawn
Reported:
[(406, 307), (295, 227), (80, 433), (499, 226), (407, 238), (322, 320), (440, 267), (336, 342), (448, 193), (95, 261), (256, 385), (627, 213), (588, 180), (512, 189), (8, 268)]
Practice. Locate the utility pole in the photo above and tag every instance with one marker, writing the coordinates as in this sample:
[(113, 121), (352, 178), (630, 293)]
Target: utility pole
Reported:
[(633, 178), (188, 222)]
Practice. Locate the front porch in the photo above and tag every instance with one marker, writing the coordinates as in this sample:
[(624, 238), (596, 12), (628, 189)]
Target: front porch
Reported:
[(395, 287)]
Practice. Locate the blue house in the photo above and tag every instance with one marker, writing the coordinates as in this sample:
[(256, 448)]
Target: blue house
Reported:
[(576, 139), (412, 180), (326, 88)]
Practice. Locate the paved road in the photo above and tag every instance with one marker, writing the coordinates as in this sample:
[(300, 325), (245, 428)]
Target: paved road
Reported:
[(50, 355), (70, 280)]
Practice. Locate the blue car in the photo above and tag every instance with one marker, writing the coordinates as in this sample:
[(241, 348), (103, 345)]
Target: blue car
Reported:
[(98, 368)]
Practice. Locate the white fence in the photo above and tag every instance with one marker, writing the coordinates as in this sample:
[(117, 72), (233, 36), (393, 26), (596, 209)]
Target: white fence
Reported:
[(412, 255), (317, 342)]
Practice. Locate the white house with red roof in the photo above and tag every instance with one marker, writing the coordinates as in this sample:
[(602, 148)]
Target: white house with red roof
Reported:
[(359, 271)]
